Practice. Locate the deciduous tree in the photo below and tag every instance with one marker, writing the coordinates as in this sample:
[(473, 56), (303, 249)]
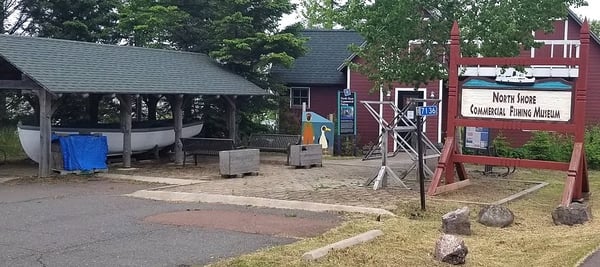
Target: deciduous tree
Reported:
[(406, 40), (595, 27), (319, 13)]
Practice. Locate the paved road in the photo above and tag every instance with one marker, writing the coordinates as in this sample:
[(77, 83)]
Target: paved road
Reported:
[(592, 261), (91, 224)]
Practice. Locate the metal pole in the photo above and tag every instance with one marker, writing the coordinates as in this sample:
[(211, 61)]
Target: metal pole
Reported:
[(384, 155), (420, 158)]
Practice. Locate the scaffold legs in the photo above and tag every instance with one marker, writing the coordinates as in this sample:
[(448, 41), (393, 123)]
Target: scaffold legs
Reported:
[(380, 180)]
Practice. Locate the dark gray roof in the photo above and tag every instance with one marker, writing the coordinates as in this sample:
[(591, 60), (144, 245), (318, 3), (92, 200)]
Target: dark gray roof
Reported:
[(62, 66), (327, 50)]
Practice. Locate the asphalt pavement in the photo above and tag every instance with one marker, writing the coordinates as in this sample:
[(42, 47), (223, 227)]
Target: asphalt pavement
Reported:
[(593, 260), (90, 223)]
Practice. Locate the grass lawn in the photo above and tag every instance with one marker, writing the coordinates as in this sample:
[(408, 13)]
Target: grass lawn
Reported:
[(409, 239)]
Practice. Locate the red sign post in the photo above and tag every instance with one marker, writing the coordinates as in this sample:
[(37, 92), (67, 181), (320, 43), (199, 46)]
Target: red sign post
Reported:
[(451, 159)]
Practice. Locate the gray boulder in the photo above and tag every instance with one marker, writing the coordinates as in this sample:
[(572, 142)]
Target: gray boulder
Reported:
[(496, 216), (576, 213), (457, 222), (451, 249)]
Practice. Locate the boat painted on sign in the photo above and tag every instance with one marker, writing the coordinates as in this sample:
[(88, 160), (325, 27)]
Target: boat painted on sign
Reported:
[(515, 78), (142, 139)]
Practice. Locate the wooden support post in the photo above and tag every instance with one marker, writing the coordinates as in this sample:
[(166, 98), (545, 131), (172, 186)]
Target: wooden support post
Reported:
[(232, 118), (177, 109), (442, 166), (45, 102), (126, 102)]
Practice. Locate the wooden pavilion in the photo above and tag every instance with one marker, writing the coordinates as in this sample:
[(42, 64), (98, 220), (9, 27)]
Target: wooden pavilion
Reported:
[(50, 68)]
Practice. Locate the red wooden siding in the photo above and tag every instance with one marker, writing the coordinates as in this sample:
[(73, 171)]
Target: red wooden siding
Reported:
[(367, 126), (518, 138), (323, 99)]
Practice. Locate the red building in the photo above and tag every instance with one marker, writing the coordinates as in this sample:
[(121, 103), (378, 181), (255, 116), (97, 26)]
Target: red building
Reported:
[(316, 77)]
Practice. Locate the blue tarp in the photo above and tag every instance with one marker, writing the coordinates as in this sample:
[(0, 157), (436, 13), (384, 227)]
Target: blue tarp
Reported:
[(83, 152)]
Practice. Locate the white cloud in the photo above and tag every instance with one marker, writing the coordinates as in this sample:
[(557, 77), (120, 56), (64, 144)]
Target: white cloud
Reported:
[(591, 11)]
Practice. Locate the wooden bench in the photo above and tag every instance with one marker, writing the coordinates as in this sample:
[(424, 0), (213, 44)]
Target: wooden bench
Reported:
[(274, 143), (204, 147)]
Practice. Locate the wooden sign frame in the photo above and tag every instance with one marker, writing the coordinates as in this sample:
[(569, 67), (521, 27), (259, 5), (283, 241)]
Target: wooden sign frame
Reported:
[(576, 184)]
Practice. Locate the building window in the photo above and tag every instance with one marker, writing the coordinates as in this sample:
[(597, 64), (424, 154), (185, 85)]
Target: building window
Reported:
[(299, 95)]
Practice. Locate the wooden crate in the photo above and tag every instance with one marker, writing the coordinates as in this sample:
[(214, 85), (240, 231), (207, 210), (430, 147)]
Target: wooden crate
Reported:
[(239, 162), (306, 155)]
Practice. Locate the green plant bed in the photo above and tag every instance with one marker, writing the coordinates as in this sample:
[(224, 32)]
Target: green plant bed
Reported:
[(552, 147)]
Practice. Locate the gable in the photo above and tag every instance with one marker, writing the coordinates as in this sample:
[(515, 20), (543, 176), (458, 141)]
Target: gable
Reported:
[(327, 49)]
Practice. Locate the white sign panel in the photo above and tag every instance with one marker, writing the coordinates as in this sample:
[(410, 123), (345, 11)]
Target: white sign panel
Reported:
[(516, 104)]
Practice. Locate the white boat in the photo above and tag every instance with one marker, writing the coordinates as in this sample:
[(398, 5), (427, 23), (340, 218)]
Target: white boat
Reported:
[(142, 139), (515, 78)]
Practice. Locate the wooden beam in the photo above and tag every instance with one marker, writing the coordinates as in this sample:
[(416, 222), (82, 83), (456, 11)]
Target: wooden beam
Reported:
[(517, 125), (443, 165), (515, 61), (177, 109), (19, 85), (451, 187), (126, 102), (45, 102), (512, 162)]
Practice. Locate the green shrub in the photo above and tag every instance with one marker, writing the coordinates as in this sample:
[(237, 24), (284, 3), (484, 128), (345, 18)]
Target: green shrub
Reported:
[(592, 146), (10, 144), (549, 146)]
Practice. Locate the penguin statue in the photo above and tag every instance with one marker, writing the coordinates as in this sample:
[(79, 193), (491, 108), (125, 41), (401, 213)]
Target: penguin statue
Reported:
[(323, 138)]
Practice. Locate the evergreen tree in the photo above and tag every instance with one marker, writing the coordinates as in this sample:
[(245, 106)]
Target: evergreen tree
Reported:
[(80, 20)]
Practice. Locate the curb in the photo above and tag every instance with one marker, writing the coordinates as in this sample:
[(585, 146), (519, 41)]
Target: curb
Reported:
[(322, 251), (7, 179), (148, 179), (253, 201)]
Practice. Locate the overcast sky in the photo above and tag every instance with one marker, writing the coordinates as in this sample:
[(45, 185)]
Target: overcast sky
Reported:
[(592, 12)]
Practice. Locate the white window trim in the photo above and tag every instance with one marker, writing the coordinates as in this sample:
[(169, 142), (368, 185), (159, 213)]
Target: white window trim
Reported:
[(292, 97), (397, 92), (421, 90)]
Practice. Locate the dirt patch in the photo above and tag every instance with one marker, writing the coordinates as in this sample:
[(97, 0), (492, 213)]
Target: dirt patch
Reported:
[(285, 225)]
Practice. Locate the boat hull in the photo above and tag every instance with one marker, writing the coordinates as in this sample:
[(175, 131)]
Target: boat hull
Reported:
[(142, 139)]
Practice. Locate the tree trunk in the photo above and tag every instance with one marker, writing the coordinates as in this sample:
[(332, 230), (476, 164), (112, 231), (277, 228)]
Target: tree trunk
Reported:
[(151, 102), (138, 109), (3, 113), (93, 102)]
